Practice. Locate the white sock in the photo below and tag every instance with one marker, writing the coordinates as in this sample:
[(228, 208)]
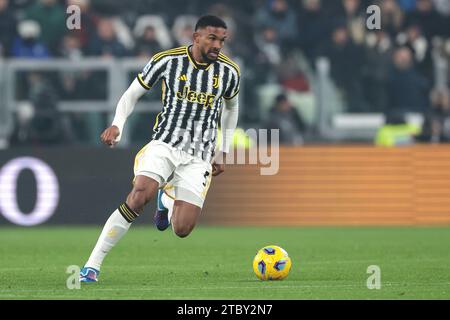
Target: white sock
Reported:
[(115, 227), (168, 203)]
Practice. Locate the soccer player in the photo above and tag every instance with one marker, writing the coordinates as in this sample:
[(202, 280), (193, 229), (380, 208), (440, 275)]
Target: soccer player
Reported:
[(199, 85)]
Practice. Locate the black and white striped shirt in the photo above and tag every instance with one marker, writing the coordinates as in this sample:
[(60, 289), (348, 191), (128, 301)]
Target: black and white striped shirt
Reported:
[(192, 98)]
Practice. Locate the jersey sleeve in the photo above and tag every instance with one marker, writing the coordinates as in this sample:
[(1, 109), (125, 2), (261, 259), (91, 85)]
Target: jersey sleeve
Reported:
[(152, 72), (233, 88)]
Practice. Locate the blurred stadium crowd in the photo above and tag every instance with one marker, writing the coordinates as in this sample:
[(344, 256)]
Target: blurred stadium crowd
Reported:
[(391, 71)]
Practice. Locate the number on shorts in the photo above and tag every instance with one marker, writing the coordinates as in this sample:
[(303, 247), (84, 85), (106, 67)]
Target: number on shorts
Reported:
[(206, 177)]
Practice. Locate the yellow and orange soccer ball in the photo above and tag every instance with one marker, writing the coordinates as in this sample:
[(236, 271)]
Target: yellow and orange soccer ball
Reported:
[(272, 263)]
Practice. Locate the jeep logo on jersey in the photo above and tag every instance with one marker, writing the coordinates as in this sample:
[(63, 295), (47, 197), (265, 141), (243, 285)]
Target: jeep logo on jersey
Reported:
[(201, 98)]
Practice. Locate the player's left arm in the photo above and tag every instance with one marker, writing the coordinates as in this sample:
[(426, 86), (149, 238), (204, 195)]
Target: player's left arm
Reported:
[(228, 124)]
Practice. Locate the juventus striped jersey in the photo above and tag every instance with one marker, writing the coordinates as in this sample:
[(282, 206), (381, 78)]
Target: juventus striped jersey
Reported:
[(192, 98)]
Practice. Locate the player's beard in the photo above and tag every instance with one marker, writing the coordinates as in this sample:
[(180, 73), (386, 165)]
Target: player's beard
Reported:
[(208, 59)]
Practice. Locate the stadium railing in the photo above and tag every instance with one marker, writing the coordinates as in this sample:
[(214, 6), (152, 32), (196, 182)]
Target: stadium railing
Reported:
[(332, 121), (119, 73)]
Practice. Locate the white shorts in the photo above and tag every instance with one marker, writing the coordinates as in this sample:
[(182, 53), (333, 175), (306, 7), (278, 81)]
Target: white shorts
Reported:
[(181, 175)]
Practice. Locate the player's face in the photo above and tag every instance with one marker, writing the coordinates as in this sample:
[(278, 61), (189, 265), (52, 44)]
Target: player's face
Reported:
[(210, 41)]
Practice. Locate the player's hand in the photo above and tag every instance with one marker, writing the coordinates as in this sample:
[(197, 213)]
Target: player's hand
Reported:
[(110, 135), (218, 165)]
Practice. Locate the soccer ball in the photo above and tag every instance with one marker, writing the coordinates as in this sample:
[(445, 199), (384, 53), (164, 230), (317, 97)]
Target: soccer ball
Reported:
[(272, 263)]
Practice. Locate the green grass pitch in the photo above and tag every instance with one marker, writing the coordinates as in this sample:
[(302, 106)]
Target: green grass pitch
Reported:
[(216, 263)]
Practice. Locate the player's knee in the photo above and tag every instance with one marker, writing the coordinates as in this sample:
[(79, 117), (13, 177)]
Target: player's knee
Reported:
[(183, 231)]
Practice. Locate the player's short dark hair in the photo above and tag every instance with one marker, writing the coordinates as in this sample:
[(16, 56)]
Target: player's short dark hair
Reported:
[(210, 21)]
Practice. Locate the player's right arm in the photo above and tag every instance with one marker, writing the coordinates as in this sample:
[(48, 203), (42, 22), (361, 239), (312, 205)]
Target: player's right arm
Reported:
[(111, 136), (151, 73)]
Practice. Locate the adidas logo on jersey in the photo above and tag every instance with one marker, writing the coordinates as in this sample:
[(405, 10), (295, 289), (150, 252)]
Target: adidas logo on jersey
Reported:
[(182, 77)]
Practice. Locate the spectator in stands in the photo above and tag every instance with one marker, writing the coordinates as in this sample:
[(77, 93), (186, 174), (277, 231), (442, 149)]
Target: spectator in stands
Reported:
[(147, 45), (45, 125), (183, 28), (290, 76), (88, 21), (284, 117), (52, 19), (356, 19), (8, 28), (267, 56), (347, 61), (313, 27), (268, 43), (105, 43), (431, 22), (224, 12), (379, 49), (407, 90), (71, 47), (78, 84), (279, 16), (240, 42), (370, 76), (234, 41), (415, 40), (162, 32), (407, 5), (27, 43), (392, 17)]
